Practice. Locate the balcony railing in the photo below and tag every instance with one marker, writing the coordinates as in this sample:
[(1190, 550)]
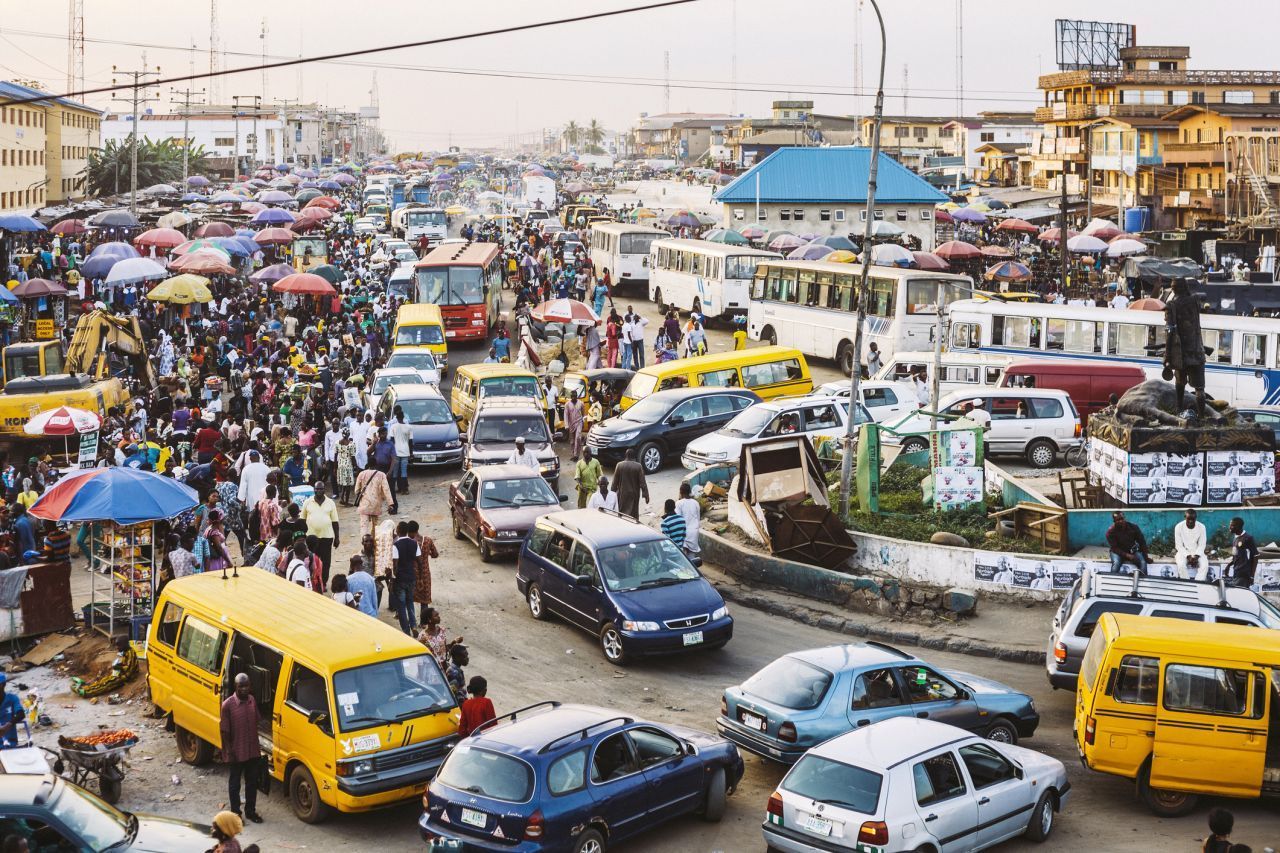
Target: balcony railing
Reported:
[(1088, 112), (1192, 152), (1189, 78)]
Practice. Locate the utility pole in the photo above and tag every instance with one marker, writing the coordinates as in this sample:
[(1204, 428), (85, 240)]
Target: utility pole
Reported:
[(1062, 225), (285, 103), (187, 100), (139, 82), (235, 108)]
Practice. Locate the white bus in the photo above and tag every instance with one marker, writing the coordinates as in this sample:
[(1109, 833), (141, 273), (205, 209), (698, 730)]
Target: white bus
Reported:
[(809, 305), (1242, 369), (713, 279), (623, 250)]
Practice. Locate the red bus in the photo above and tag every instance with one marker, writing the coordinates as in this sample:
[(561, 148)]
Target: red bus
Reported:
[(465, 280)]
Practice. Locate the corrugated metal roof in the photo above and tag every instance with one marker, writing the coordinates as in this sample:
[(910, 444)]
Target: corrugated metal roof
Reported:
[(16, 91), (837, 174)]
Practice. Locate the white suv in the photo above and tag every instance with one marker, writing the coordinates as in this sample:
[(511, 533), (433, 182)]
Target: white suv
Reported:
[(911, 784), (816, 417), (1036, 423), (885, 400)]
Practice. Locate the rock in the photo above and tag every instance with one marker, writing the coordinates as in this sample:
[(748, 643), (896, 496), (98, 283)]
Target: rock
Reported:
[(960, 601), (942, 537)]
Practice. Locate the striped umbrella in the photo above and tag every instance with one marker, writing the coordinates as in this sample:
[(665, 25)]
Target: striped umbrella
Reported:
[(120, 494), (1007, 271)]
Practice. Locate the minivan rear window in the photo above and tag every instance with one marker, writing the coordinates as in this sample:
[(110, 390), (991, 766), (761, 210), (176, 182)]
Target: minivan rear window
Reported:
[(823, 780), (488, 774), (1089, 620), (790, 683)]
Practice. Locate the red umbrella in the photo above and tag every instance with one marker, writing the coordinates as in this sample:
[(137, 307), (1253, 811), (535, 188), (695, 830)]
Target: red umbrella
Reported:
[(321, 213), (69, 227), (305, 283), (324, 201), (214, 229), (565, 311), (1017, 225), (996, 252), (34, 287), (941, 215), (252, 207), (202, 263), (930, 261), (957, 250), (274, 237), (1146, 304), (1008, 271), (161, 238), (1051, 235)]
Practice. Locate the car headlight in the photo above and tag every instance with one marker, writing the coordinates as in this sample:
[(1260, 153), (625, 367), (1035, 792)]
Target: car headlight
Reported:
[(640, 626), (553, 465), (452, 444), (720, 613), (625, 436), (355, 768), (718, 454)]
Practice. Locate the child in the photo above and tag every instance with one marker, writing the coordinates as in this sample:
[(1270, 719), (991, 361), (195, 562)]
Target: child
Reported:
[(458, 658), (1221, 822), (673, 523), (478, 709)]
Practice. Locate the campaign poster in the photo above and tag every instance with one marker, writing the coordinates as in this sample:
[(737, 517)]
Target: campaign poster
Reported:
[(956, 487)]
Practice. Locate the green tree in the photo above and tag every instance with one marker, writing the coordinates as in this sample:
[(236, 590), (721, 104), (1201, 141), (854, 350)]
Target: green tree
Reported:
[(159, 162), (594, 134), (572, 133)]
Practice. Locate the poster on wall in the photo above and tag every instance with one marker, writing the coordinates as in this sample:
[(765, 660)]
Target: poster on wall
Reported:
[(957, 470), (1034, 573)]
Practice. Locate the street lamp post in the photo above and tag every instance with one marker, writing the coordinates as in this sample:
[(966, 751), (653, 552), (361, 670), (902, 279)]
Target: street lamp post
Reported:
[(860, 315)]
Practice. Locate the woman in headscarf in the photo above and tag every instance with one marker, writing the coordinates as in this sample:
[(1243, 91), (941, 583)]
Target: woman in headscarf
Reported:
[(226, 826)]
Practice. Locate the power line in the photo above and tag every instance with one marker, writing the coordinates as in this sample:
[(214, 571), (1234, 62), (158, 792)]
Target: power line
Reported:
[(289, 63)]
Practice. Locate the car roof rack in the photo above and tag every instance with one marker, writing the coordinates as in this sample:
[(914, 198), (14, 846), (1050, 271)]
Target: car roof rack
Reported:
[(580, 734), (512, 716), (891, 649), (1166, 590)]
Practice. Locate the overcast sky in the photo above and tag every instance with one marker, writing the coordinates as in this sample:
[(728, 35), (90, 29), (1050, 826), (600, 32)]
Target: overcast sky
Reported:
[(799, 48)]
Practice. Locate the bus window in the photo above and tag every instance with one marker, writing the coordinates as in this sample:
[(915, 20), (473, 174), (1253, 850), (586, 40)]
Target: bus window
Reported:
[(1081, 336), (787, 286), (808, 288), (960, 374), (1220, 340), (695, 263), (965, 335), (1254, 350), (1057, 337), (727, 378), (882, 301), (758, 286), (1017, 333), (774, 290), (992, 375), (431, 286), (740, 267)]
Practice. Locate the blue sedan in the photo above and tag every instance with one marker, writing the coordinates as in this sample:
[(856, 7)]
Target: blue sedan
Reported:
[(576, 779), (808, 697)]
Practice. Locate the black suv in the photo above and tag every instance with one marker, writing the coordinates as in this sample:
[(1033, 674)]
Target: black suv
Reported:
[(661, 424)]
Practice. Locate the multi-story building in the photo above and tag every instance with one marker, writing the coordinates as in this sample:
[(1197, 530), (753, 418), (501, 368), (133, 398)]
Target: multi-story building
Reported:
[(1007, 131), (44, 148), (911, 140), (790, 123), (657, 137)]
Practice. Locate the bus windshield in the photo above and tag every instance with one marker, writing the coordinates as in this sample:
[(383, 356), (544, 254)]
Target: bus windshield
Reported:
[(636, 244), (741, 266), (450, 286), (425, 217)]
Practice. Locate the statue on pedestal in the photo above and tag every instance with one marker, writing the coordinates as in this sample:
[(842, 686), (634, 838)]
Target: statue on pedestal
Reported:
[(1184, 356)]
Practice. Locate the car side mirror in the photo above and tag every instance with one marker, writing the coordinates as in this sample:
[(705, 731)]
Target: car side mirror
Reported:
[(676, 420), (468, 502), (583, 580), (317, 718), (563, 498), (1018, 772), (697, 562)]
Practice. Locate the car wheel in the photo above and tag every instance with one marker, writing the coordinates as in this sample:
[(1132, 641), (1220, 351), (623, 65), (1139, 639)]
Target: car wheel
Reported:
[(590, 841), (716, 797), (611, 645), (1041, 453), (1164, 803), (914, 445), (657, 300), (457, 527), (1002, 731), (1042, 818), (486, 553), (305, 797), (651, 457), (537, 607), (192, 748)]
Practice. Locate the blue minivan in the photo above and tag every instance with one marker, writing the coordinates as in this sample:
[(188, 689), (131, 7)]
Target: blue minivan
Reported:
[(623, 582)]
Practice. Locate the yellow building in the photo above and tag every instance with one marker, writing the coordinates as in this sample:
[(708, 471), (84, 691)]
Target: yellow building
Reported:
[(44, 146)]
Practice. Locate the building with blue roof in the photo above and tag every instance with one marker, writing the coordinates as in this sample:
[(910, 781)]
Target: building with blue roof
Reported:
[(824, 191), (44, 147)]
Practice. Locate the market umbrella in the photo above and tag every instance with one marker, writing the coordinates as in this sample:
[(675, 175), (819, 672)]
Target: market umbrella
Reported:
[(104, 257), (809, 252), (885, 229), (193, 197), (226, 197), (1125, 246), (274, 237), (1083, 244), (182, 290), (115, 219), (726, 236), (197, 245), (198, 181), (841, 256), (1007, 271), (322, 214), (957, 250), (69, 227), (329, 273), (234, 247), (968, 214), (123, 495), (567, 311), (324, 201), (1146, 303), (33, 288), (274, 197), (1052, 235), (305, 283), (837, 241), (134, 270), (64, 420), (785, 242), (306, 195), (930, 261), (215, 229), (941, 215), (175, 219), (306, 173), (683, 219), (18, 222), (272, 216), (1017, 225), (203, 262), (273, 273), (161, 238), (891, 254), (329, 185), (996, 252), (1103, 229), (254, 207), (161, 189), (752, 232), (455, 210), (250, 245), (643, 213)]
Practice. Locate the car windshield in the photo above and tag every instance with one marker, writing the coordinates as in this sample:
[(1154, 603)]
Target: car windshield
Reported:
[(835, 783), (516, 492), (648, 411), (639, 565), (749, 423), (390, 690), (412, 360), (790, 683), (488, 774), (89, 820), (411, 336), (509, 386), (382, 383), (423, 412), (505, 429)]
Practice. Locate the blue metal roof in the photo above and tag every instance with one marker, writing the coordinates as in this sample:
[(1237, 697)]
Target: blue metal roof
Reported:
[(835, 175), (16, 91)]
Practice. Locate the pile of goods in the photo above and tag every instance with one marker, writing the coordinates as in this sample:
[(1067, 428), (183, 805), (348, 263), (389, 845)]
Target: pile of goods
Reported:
[(110, 739)]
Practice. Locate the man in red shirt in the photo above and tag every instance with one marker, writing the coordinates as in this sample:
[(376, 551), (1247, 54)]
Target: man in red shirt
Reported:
[(206, 442), (477, 710), (240, 750)]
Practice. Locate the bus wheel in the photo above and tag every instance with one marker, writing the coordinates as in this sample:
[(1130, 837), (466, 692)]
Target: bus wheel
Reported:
[(657, 300), (845, 358), (769, 335)]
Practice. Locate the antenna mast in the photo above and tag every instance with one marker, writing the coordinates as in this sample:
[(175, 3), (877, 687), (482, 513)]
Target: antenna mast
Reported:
[(215, 88), (959, 58), (666, 76), (75, 48)]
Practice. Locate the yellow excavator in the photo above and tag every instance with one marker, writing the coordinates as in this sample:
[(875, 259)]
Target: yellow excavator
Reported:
[(39, 376)]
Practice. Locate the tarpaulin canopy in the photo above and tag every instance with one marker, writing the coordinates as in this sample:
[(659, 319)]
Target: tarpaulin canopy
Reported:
[(1152, 269)]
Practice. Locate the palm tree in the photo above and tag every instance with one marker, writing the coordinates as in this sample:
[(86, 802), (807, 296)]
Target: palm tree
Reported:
[(594, 135), (159, 162), (572, 133)]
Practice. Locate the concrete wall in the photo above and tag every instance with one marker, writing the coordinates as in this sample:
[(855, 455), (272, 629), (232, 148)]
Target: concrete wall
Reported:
[(1087, 527), (908, 217)]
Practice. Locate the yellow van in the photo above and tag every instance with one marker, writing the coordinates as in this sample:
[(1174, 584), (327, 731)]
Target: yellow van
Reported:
[(352, 714), (491, 380), (421, 327), (769, 371), (1182, 712)]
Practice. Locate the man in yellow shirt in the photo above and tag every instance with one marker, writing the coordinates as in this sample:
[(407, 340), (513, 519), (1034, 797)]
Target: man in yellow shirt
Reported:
[(321, 515)]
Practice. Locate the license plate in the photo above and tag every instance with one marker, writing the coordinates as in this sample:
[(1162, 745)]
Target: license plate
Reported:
[(751, 721), (426, 457), (693, 638), (474, 818), (815, 824), (449, 334)]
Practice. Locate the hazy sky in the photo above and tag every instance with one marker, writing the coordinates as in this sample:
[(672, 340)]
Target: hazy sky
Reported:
[(798, 48)]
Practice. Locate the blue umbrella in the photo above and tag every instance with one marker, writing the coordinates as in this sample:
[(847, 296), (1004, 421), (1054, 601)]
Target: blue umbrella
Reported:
[(198, 181), (104, 257), (965, 214), (123, 495), (272, 216), (247, 242), (6, 295), (226, 197), (233, 246), (192, 197), (245, 232), (330, 185), (18, 222), (283, 167)]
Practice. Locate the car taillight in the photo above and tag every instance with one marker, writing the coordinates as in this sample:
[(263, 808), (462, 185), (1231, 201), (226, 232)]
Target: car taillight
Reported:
[(874, 832), (1060, 652), (1078, 430), (775, 805), (724, 707), (533, 829), (787, 732), (1090, 729)]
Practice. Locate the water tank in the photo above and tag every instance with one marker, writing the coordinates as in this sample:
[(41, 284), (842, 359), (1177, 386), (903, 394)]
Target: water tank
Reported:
[(1135, 219)]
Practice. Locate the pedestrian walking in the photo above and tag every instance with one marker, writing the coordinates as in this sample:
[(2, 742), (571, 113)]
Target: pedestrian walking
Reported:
[(422, 578), (691, 511), (602, 498), (239, 728), (404, 570), (320, 512), (373, 498), (587, 474), (573, 419), (629, 485)]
